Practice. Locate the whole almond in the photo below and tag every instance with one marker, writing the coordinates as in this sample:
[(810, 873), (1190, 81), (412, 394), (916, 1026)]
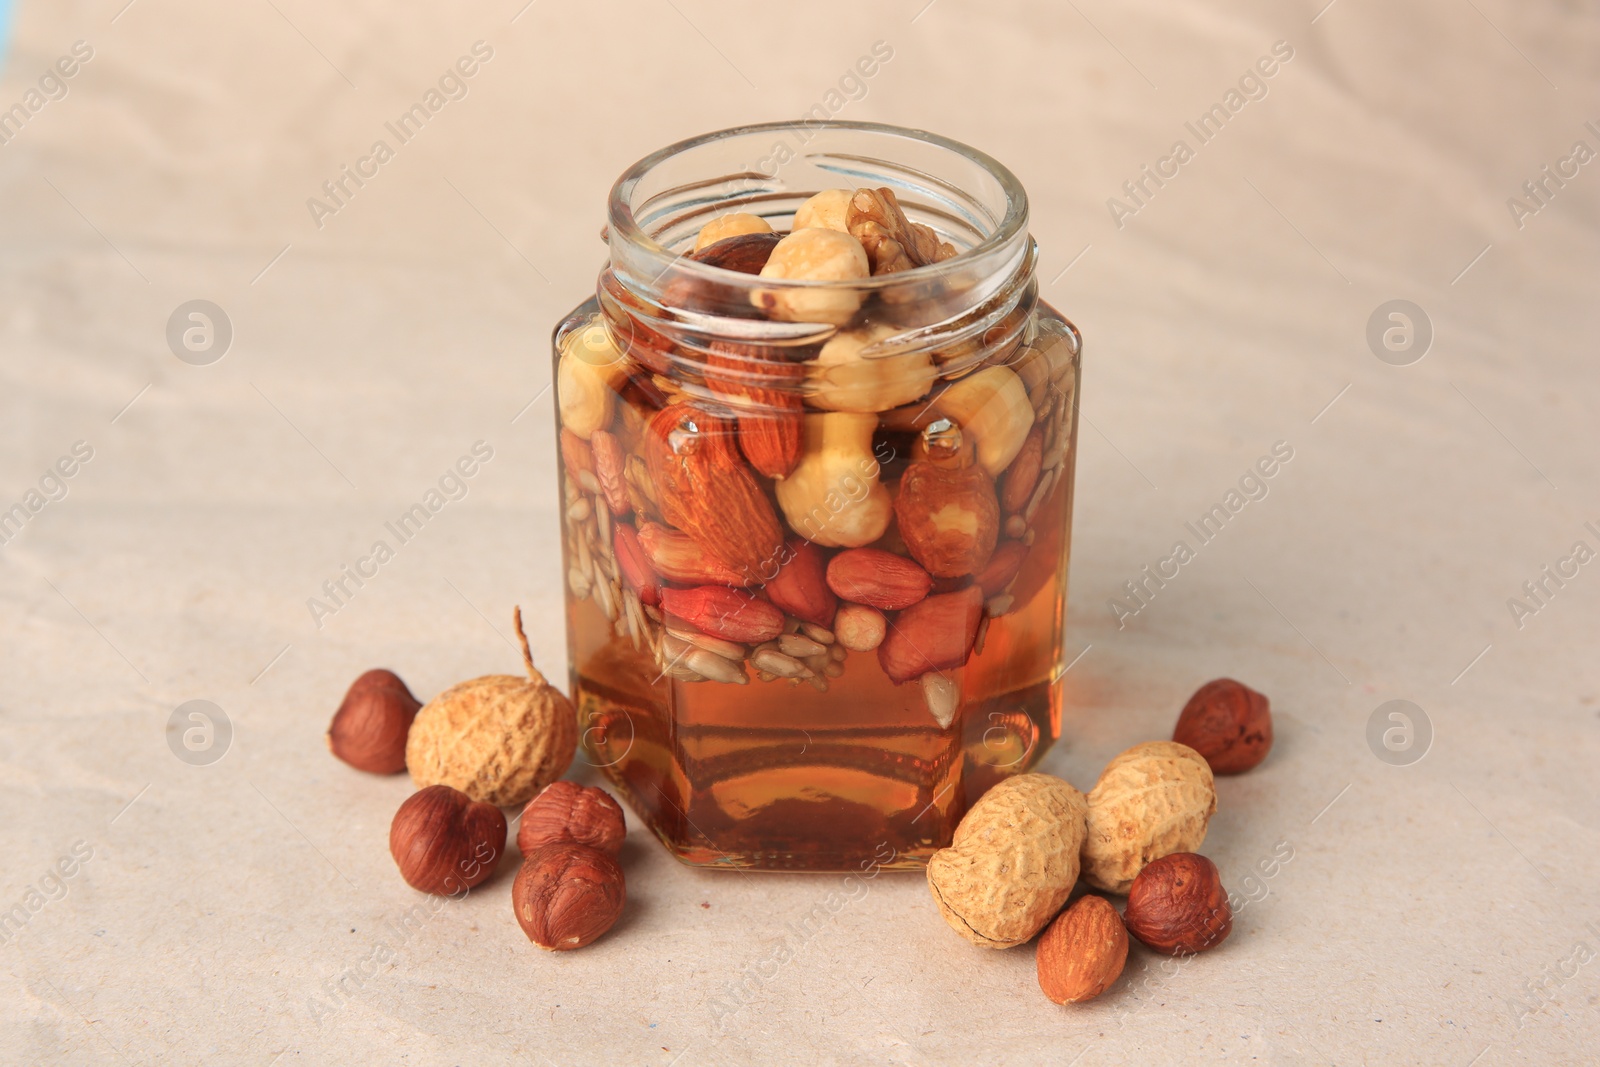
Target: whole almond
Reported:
[(877, 578), (707, 491), (1019, 480), (936, 634), (609, 462), (726, 613), (635, 565), (746, 253), (1001, 568), (677, 557), (801, 585), (1082, 952), (763, 389)]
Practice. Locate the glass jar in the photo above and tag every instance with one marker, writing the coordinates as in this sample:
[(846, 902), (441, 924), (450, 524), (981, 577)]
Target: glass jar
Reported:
[(816, 532)]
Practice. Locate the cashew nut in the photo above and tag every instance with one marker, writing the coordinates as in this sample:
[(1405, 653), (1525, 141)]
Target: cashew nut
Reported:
[(814, 255), (833, 496), (844, 381), (586, 379), (991, 406)]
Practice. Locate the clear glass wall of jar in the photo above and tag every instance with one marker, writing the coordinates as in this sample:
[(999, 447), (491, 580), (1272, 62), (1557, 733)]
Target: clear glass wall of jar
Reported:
[(816, 532)]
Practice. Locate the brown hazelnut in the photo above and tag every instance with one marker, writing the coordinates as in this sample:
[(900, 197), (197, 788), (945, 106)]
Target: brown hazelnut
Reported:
[(567, 895), (1177, 905), (1229, 724), (566, 812), (369, 730), (446, 842)]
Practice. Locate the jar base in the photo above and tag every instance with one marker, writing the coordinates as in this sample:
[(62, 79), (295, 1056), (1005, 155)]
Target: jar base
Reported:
[(749, 798)]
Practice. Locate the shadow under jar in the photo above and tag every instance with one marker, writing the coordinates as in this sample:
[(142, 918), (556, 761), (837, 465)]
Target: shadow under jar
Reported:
[(816, 533)]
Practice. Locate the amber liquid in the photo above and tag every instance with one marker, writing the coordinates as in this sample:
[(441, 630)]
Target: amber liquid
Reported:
[(836, 772), (779, 776)]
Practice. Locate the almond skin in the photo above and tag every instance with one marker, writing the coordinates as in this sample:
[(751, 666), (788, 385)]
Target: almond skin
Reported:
[(635, 565), (677, 557), (609, 462), (1229, 724), (1002, 567), (801, 585), (763, 390), (746, 253), (877, 578), (576, 455), (1020, 479), (566, 812), (725, 613), (705, 489), (934, 635), (1177, 905), (369, 730), (1083, 952), (443, 841), (566, 896), (949, 518)]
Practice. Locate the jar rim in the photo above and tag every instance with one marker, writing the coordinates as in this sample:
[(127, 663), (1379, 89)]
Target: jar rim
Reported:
[(622, 224)]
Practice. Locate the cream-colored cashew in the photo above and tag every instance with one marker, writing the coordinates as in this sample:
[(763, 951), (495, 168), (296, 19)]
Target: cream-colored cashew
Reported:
[(991, 406), (827, 209), (843, 381), (730, 225), (833, 496), (586, 379), (814, 255)]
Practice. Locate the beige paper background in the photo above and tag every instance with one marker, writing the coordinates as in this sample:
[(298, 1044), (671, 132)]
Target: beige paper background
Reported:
[(222, 902)]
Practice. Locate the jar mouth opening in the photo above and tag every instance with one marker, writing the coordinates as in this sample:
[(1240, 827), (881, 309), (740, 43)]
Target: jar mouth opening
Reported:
[(653, 215)]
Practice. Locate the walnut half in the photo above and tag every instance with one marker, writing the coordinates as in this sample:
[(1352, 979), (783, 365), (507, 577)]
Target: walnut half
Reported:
[(893, 243)]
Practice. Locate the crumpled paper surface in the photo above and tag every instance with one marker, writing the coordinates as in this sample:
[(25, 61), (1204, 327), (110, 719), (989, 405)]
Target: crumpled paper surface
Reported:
[(1433, 910)]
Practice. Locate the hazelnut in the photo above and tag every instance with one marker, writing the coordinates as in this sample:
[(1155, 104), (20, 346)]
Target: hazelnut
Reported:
[(369, 729), (567, 895), (1177, 905), (730, 225), (859, 628), (814, 255), (1229, 724), (444, 841), (827, 210), (844, 380), (577, 814), (1082, 952)]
